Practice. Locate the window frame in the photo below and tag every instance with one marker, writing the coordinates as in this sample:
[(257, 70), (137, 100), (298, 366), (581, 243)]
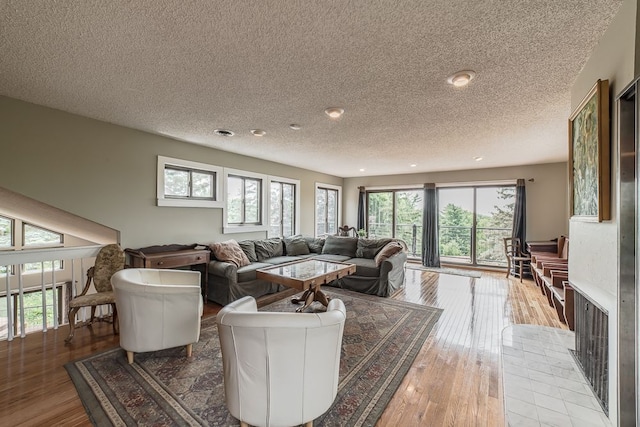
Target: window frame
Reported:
[(248, 227), (296, 203), (324, 186), (197, 202)]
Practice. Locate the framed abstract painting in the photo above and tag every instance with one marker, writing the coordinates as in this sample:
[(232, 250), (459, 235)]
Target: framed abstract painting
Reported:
[(589, 157)]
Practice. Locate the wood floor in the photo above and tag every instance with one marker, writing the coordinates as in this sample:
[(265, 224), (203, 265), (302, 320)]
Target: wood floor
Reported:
[(454, 381)]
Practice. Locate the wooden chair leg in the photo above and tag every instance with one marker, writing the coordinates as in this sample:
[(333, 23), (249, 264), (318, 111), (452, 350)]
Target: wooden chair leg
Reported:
[(189, 350), (130, 357), (243, 424), (309, 424), (508, 267), (72, 323), (93, 314), (521, 270), (114, 319)]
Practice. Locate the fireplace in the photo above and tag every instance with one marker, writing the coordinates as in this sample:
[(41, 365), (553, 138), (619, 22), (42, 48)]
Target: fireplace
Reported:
[(592, 346)]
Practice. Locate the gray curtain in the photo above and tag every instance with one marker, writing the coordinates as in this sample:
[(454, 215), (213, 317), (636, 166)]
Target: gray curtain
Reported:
[(362, 200), (520, 214), (430, 244)]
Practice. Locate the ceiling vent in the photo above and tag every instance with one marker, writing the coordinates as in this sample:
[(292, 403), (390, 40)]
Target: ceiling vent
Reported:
[(223, 132)]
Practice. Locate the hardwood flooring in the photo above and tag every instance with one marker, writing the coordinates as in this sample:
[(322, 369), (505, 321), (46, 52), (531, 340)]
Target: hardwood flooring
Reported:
[(454, 381)]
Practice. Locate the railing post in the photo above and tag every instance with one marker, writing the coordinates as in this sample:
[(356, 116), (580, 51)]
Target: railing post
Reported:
[(21, 300), (44, 298), (9, 306), (414, 231)]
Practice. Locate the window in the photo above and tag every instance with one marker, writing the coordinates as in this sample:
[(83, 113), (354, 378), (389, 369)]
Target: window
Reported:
[(243, 200), (396, 213), (328, 206), (36, 237), (473, 221), (284, 206), (186, 183), (6, 233), (244, 211)]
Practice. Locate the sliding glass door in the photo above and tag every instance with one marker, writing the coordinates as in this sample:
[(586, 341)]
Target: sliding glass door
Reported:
[(472, 223), (398, 214)]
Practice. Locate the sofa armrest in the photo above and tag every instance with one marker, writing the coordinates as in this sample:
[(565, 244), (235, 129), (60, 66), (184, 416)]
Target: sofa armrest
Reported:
[(224, 269), (395, 261)]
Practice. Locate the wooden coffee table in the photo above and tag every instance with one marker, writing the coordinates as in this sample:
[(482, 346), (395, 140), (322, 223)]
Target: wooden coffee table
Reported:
[(308, 276)]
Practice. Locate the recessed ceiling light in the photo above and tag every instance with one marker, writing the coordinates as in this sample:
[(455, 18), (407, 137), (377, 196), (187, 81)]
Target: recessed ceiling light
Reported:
[(223, 132), (477, 159), (461, 78), (413, 165), (361, 169), (258, 132), (294, 126), (334, 112)]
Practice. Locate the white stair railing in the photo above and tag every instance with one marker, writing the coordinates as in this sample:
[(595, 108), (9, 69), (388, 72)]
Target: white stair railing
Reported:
[(14, 261)]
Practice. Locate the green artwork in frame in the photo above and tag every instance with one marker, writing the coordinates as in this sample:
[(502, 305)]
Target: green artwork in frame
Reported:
[(589, 168)]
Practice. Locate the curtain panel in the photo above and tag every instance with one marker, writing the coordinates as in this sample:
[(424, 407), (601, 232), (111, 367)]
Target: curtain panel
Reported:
[(362, 200), (430, 243), (520, 214)]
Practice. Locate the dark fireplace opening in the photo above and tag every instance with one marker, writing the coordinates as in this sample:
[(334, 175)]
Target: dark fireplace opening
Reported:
[(592, 346)]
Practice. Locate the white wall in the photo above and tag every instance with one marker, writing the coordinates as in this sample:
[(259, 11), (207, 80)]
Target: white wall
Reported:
[(107, 174), (593, 253), (547, 205)]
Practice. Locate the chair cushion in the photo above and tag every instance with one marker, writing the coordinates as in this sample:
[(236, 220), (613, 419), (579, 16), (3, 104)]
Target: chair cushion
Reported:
[(368, 248), (230, 251), (338, 245), (296, 245), (248, 272), (389, 250), (93, 299), (281, 259), (268, 248)]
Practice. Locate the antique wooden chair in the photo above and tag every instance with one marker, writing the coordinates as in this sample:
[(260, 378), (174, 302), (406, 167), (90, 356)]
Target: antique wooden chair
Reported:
[(109, 260), (516, 260)]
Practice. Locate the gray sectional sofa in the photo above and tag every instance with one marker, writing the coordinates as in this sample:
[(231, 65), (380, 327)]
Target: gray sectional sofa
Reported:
[(228, 282)]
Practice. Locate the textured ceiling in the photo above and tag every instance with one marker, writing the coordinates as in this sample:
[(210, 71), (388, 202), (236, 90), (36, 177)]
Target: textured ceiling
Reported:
[(184, 68)]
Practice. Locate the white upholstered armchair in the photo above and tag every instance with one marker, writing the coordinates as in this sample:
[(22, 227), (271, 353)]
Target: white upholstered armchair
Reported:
[(280, 369), (157, 309)]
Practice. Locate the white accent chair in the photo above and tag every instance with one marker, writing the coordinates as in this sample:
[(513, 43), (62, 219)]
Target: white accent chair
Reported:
[(280, 369), (157, 309)]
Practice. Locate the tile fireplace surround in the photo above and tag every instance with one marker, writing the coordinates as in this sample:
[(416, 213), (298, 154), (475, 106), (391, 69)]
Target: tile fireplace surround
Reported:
[(543, 385)]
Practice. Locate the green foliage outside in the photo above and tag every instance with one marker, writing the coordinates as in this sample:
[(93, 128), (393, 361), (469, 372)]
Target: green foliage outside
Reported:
[(32, 310)]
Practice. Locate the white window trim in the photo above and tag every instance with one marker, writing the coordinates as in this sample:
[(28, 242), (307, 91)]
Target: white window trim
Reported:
[(295, 182), (164, 201), (231, 228), (315, 208)]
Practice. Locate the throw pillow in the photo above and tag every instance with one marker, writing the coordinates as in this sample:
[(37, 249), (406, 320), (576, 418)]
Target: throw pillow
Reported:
[(368, 248), (315, 244), (249, 249), (296, 245), (268, 248), (229, 251), (338, 245), (389, 250)]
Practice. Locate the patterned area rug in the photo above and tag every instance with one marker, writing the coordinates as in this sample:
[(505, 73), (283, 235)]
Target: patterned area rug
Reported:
[(382, 337)]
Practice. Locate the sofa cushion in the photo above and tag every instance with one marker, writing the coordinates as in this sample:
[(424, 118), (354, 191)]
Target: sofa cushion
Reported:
[(249, 249), (268, 248), (296, 245), (315, 244), (389, 250), (329, 257), (338, 245), (280, 259), (368, 248), (229, 251), (248, 272), (365, 267)]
